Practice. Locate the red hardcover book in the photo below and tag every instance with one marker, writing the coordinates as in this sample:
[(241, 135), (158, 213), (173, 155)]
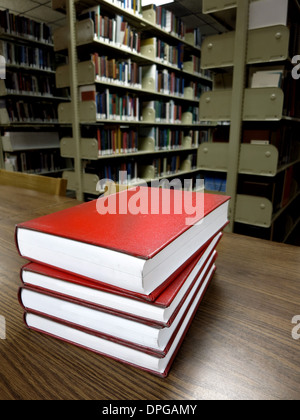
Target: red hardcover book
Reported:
[(153, 362), (162, 310), (133, 332), (135, 240)]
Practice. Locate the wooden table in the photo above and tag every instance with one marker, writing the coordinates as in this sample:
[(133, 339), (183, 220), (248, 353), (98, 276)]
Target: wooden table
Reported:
[(239, 346)]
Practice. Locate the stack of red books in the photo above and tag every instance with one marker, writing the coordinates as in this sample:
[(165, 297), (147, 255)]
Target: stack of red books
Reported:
[(122, 275)]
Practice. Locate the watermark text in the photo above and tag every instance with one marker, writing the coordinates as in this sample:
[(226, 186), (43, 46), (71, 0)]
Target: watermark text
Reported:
[(2, 328), (140, 200)]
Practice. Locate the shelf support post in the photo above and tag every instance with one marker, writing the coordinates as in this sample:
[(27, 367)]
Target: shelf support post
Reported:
[(238, 90), (72, 52)]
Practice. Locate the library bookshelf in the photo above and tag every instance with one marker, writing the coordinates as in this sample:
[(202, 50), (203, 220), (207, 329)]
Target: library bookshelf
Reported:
[(254, 103), (28, 97), (136, 81)]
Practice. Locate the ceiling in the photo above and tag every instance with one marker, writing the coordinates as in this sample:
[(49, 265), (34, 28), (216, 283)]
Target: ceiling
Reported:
[(41, 10)]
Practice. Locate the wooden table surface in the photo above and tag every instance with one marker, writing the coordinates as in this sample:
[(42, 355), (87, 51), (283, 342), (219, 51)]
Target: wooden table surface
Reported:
[(239, 346)]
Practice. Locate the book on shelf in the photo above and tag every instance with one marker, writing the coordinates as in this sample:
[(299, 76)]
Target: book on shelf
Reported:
[(192, 64), (20, 82), (168, 83), (27, 111), (139, 242), (134, 6), (172, 164), (169, 112), (34, 161), (111, 70), (87, 93), (117, 140), (215, 183), (156, 49), (170, 138), (269, 77), (22, 26), (114, 30), (167, 20), (110, 105), (160, 111), (27, 55)]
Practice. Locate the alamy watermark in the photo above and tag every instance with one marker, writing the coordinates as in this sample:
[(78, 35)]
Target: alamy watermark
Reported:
[(2, 328), (296, 329), (296, 69), (2, 67), (144, 201)]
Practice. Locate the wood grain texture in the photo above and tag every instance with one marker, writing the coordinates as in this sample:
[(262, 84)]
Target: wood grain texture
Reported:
[(239, 345), (44, 184)]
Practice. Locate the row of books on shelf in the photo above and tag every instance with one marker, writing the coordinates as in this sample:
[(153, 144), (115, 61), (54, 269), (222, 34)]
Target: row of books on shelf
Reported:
[(27, 28), (125, 72), (112, 29), (19, 82), (175, 164), (30, 111), (133, 6), (161, 51), (113, 106), (167, 20), (124, 140), (35, 161), (215, 182), (172, 138), (130, 170), (138, 316), (116, 141), (169, 83), (168, 112), (129, 73), (117, 32), (128, 107), (28, 56)]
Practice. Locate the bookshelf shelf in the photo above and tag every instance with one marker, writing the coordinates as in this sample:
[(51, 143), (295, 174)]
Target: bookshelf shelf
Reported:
[(90, 150), (218, 50), (259, 104), (87, 76), (29, 68), (212, 6), (14, 37), (86, 37), (136, 19)]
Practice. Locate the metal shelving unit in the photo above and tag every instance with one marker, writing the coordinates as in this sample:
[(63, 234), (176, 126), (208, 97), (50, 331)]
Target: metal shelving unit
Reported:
[(80, 34), (237, 50)]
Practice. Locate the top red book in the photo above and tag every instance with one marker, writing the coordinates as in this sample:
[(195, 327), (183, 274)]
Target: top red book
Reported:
[(134, 240)]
